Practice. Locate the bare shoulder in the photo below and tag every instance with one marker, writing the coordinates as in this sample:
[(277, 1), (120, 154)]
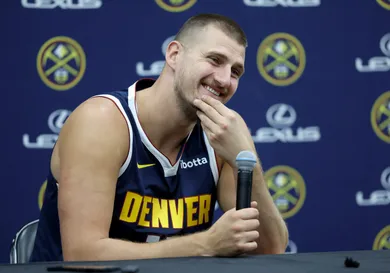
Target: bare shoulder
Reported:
[(98, 110), (95, 132), (92, 146)]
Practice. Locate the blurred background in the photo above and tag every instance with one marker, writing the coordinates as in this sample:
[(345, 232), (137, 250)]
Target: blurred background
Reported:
[(315, 95)]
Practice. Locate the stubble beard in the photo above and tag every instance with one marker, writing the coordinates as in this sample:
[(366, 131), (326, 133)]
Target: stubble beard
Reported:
[(186, 107)]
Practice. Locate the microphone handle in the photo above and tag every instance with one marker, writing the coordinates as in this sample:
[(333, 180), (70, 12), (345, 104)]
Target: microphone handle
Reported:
[(244, 189)]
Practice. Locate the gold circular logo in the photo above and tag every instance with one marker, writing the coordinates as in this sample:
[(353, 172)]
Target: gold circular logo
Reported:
[(382, 240), (61, 63), (175, 5), (281, 59), (41, 194), (384, 3), (287, 189), (380, 117)]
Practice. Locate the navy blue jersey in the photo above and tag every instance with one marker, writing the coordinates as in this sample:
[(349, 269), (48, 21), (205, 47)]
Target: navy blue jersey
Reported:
[(154, 199)]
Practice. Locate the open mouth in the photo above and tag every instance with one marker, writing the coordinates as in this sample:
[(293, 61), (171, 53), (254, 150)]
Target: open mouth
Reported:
[(211, 90)]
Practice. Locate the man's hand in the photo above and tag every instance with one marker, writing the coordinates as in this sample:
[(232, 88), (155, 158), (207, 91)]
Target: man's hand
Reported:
[(229, 135), (226, 130), (234, 233)]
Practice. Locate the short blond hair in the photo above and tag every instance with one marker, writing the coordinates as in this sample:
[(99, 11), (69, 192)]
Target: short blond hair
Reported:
[(225, 24)]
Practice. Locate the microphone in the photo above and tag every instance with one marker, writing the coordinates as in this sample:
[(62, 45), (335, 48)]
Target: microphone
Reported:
[(245, 162)]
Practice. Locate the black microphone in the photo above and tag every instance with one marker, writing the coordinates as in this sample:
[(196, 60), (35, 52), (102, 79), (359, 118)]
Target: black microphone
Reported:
[(245, 162)]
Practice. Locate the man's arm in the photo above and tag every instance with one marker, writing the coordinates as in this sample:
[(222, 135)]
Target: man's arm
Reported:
[(273, 232), (228, 135), (93, 145)]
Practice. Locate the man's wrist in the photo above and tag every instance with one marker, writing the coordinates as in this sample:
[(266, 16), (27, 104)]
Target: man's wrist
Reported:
[(202, 244)]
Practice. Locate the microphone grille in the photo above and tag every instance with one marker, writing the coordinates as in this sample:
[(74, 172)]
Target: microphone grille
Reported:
[(246, 159)]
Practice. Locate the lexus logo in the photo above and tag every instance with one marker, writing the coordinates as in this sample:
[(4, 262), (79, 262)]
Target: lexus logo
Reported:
[(281, 115), (384, 44), (57, 119), (385, 178)]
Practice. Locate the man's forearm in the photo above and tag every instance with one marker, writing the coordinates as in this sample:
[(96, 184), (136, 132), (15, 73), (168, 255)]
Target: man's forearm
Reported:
[(273, 232), (114, 249)]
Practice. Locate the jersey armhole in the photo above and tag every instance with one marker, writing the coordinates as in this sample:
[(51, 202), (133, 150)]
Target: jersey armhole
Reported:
[(123, 112)]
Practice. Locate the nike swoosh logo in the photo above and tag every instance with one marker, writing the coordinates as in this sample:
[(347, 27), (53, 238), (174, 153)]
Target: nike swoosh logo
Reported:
[(141, 166)]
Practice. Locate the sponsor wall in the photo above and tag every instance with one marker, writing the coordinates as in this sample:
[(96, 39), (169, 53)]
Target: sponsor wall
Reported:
[(315, 95)]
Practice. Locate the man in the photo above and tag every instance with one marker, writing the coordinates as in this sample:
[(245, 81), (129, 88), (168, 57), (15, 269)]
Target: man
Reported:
[(133, 168)]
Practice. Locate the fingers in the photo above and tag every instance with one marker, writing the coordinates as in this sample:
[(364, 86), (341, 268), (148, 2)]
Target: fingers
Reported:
[(208, 111), (215, 110), (207, 123), (248, 213), (251, 235), (250, 225), (217, 105), (236, 232), (246, 225), (247, 247), (209, 133), (247, 242), (253, 204)]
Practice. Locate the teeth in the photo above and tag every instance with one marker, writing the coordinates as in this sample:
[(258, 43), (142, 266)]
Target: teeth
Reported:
[(211, 90)]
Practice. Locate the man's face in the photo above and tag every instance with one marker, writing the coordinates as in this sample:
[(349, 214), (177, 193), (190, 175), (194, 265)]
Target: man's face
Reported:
[(211, 65)]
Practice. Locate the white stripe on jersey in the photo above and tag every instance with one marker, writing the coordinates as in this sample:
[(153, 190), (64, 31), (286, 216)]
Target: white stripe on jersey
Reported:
[(120, 107)]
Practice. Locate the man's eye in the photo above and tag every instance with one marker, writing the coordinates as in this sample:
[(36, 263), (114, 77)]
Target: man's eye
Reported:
[(215, 60), (237, 73)]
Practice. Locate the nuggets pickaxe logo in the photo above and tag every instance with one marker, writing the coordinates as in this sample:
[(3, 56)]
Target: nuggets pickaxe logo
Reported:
[(281, 59), (287, 189), (380, 117), (61, 63)]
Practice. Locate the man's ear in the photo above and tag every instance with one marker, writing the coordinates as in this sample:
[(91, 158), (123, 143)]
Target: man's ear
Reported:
[(171, 55)]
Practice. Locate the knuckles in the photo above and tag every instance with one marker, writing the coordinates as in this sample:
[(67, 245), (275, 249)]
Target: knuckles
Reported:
[(231, 116), (236, 228), (237, 237), (219, 133), (213, 138), (252, 212), (224, 126)]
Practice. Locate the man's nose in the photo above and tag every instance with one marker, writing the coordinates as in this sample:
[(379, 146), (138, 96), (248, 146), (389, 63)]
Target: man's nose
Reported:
[(223, 76)]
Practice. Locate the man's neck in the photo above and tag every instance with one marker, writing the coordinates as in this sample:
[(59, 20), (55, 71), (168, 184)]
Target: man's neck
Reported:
[(162, 120)]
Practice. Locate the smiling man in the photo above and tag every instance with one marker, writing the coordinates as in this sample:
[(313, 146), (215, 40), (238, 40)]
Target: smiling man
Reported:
[(133, 168)]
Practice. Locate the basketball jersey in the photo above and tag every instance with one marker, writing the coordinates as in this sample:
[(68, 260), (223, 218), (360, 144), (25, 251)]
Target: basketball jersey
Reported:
[(154, 199)]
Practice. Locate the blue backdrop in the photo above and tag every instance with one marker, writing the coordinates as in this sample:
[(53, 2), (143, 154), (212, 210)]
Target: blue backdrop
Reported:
[(316, 96)]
